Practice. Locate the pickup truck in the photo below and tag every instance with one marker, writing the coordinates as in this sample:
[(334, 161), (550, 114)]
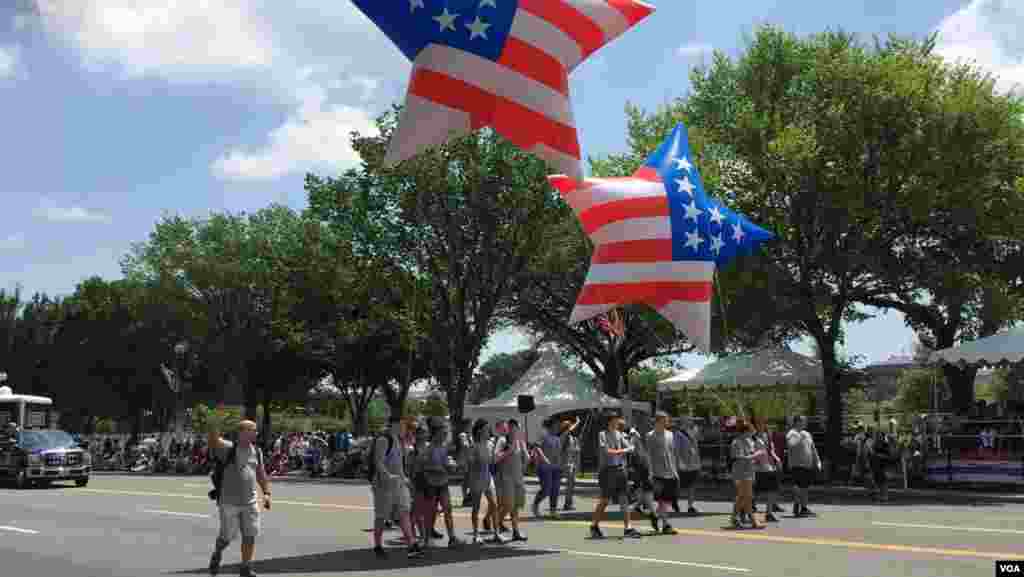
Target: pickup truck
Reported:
[(39, 457)]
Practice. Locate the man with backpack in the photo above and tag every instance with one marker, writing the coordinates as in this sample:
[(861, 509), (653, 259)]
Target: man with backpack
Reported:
[(239, 469), (386, 472)]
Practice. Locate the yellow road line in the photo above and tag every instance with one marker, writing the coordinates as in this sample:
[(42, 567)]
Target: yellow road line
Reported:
[(721, 534)]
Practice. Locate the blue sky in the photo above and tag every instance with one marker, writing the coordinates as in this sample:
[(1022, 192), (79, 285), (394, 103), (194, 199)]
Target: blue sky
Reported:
[(113, 114)]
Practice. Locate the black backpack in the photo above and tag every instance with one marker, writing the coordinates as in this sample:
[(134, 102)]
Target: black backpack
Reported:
[(371, 466), (217, 476)]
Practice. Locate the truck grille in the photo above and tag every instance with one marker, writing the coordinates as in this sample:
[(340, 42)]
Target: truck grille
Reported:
[(54, 460), (72, 459)]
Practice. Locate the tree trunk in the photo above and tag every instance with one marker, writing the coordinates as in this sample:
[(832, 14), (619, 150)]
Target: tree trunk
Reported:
[(267, 432), (961, 384), (360, 418), (832, 376)]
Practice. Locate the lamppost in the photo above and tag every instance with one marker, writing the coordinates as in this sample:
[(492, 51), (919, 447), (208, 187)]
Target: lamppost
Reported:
[(179, 355)]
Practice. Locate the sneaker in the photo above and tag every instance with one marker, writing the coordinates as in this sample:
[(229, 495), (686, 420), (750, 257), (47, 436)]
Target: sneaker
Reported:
[(808, 513), (215, 563), (435, 534), (517, 536), (595, 532), (668, 530), (734, 522), (415, 552), (503, 529), (246, 571), (496, 540), (568, 508), (692, 511), (675, 507), (770, 518), (631, 533), (454, 543), (380, 552), (777, 509), (796, 510)]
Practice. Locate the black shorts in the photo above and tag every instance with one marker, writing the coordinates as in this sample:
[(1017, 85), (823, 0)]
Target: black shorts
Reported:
[(766, 482), (666, 490), (613, 483), (641, 477), (419, 483), (434, 492), (687, 479), (803, 476)]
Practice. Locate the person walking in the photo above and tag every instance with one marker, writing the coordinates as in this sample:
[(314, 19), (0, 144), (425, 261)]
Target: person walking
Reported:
[(688, 460), (766, 471), (512, 455), (664, 471), (804, 464), (434, 464), (744, 452), (482, 482), (238, 504), (549, 469), (612, 450), (391, 496), (570, 460)]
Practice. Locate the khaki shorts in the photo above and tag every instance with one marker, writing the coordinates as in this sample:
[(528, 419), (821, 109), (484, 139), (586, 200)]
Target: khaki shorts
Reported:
[(235, 519), (513, 496), (391, 502)]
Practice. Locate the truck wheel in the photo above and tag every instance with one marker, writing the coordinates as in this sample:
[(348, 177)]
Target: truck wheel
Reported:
[(81, 482), (21, 481)]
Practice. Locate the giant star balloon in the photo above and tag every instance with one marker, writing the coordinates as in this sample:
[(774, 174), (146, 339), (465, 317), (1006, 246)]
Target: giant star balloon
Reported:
[(498, 63), (658, 239)]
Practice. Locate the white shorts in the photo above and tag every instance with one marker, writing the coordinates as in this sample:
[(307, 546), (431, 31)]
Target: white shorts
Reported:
[(235, 519), (391, 502)]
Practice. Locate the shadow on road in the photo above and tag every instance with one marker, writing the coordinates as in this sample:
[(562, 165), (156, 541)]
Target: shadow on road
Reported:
[(355, 560)]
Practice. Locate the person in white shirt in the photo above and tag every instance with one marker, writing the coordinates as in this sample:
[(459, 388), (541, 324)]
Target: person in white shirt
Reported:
[(512, 455), (804, 463), (664, 471), (612, 451)]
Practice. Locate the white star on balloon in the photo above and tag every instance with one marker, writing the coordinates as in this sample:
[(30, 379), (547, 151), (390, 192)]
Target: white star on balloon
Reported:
[(490, 3), (716, 215), (693, 240), (692, 212), (737, 233), (716, 243), (682, 164), (685, 184), (478, 28), (447, 20), (414, 4)]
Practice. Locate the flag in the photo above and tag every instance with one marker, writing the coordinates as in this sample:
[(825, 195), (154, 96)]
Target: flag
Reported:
[(658, 239), (498, 63)]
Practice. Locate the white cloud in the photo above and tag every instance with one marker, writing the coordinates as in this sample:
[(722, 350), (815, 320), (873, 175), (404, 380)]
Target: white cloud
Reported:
[(322, 59), (316, 136), (693, 49), (192, 39), (50, 211), (988, 33), (13, 242), (9, 56)]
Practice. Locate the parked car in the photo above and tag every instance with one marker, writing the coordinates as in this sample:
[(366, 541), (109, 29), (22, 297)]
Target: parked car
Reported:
[(39, 457)]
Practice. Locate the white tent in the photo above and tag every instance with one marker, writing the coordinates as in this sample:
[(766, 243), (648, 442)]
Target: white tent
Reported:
[(555, 389), (1003, 348), (765, 367)]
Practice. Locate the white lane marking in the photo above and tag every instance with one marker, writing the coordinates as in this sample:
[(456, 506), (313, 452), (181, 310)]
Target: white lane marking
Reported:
[(949, 528), (19, 530), (179, 514), (206, 498), (193, 485), (651, 560)]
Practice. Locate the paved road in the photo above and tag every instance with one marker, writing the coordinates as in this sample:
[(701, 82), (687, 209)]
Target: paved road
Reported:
[(132, 526)]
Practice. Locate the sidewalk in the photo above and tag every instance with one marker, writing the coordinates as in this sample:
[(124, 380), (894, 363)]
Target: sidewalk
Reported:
[(723, 490)]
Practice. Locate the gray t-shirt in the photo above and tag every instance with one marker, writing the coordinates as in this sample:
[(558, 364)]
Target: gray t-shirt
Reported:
[(511, 470), (239, 488), (390, 465), (570, 450), (661, 450), (611, 440), (480, 461)]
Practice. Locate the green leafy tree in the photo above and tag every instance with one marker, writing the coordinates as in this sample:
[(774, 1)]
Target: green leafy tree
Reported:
[(464, 218)]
